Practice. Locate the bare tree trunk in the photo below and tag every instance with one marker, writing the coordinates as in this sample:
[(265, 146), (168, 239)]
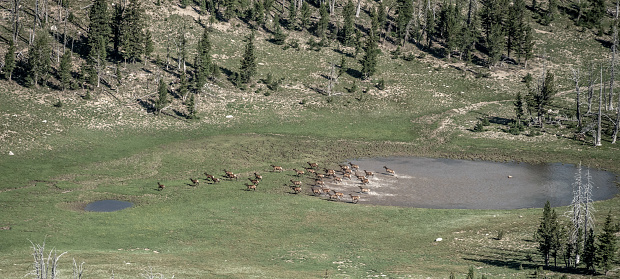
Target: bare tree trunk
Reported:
[(614, 48), (16, 4), (597, 142), (591, 81), (359, 7), (332, 7), (576, 80)]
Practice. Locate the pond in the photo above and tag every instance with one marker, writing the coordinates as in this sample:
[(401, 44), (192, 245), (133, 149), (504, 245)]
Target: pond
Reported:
[(107, 206), (462, 184)]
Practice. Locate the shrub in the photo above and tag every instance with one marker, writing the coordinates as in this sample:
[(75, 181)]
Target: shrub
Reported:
[(479, 127), (485, 121), (381, 84), (500, 234)]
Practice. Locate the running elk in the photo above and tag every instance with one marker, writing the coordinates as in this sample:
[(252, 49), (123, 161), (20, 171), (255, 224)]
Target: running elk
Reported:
[(296, 189), (354, 166), (258, 176), (364, 190), (369, 173), (254, 181), (296, 183), (354, 199), (160, 186), (313, 165), (251, 187), (316, 191), (390, 171), (277, 168), (298, 172), (195, 182)]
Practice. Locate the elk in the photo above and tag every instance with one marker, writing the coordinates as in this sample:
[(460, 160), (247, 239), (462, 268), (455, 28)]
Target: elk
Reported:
[(316, 191), (160, 186), (344, 167), (369, 173), (258, 176), (354, 199), (215, 179), (346, 175), (310, 170), (319, 175), (296, 189), (194, 181), (228, 173), (276, 168), (388, 170), (209, 176), (251, 187), (325, 190), (360, 177), (333, 197), (337, 179), (298, 172), (231, 176), (254, 181), (313, 165), (296, 183), (330, 172), (365, 181), (338, 194), (319, 182), (354, 166), (364, 190)]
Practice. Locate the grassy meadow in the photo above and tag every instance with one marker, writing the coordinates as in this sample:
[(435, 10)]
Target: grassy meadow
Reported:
[(111, 147)]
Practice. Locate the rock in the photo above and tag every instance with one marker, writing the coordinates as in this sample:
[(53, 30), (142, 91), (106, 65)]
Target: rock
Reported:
[(229, 116), (11, 153), (438, 239)]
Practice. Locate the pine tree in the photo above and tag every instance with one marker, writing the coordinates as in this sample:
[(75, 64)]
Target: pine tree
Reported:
[(518, 103), (292, 15), (514, 25), (589, 251), (526, 45), (98, 36), (259, 12), (404, 13), (348, 29), (495, 44), (545, 96), (132, 32), (9, 60), (203, 59), (547, 232), (162, 97), (321, 27), (305, 15), (607, 247), (183, 86), (116, 24), (248, 63), (191, 107), (39, 58), (450, 26), (369, 62), (65, 70)]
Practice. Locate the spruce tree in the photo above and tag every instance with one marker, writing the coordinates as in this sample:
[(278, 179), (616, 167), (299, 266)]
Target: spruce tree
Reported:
[(203, 59), (39, 58), (607, 247), (98, 36), (162, 96), (495, 44), (404, 13), (321, 27), (132, 32), (149, 46), (369, 62), (9, 60), (305, 15), (348, 29), (116, 24), (291, 22), (518, 103), (589, 251), (248, 63), (65, 70), (191, 107), (259, 12), (547, 232), (514, 25)]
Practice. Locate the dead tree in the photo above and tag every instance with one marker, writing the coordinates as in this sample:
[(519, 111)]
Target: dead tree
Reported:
[(597, 140), (581, 214), (578, 99), (16, 5), (44, 266)]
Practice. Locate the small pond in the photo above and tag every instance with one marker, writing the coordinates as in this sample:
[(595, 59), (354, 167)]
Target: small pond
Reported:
[(462, 184), (107, 205)]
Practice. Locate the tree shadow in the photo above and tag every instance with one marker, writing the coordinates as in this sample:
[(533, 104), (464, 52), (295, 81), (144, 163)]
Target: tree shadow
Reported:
[(354, 73)]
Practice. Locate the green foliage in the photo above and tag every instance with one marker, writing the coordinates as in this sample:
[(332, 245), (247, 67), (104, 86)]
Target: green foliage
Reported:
[(133, 40), (98, 32), (343, 66), (381, 84), (478, 127), (203, 64), (547, 233), (470, 273), (65, 70), (39, 61), (190, 105), (305, 15), (450, 26), (519, 109), (323, 23), (248, 62), (9, 60), (162, 96), (495, 44), (369, 62), (404, 12), (607, 247), (292, 16), (149, 46), (590, 251), (348, 29), (279, 37)]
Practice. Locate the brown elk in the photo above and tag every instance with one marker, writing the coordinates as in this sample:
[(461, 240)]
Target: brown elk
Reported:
[(296, 189), (310, 170), (216, 180), (344, 167), (228, 173), (209, 176), (194, 181), (354, 166), (276, 168), (319, 175), (333, 197), (369, 173), (346, 175), (316, 191), (298, 172), (160, 186), (365, 181), (251, 187), (319, 182), (258, 176), (388, 170), (354, 199), (325, 190), (329, 172), (364, 190), (338, 194), (313, 165), (254, 181), (296, 183), (337, 179)]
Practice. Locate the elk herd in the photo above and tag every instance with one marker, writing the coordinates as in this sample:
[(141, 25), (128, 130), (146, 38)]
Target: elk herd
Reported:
[(314, 176)]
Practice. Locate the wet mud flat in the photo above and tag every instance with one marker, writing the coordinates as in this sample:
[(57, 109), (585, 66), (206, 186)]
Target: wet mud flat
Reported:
[(461, 184)]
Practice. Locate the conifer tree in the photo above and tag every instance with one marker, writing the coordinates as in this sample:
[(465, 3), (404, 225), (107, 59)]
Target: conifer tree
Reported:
[(259, 12), (607, 247), (98, 36), (321, 27), (9, 60), (547, 232), (518, 103), (162, 96), (514, 25), (248, 63), (589, 251), (183, 86), (191, 107), (305, 15), (450, 26), (292, 15), (149, 46), (39, 58), (203, 59), (132, 32), (348, 29), (116, 24), (495, 44), (404, 13), (526, 45), (65, 70), (369, 62)]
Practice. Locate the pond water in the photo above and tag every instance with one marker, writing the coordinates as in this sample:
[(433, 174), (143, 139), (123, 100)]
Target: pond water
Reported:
[(107, 205), (462, 184)]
